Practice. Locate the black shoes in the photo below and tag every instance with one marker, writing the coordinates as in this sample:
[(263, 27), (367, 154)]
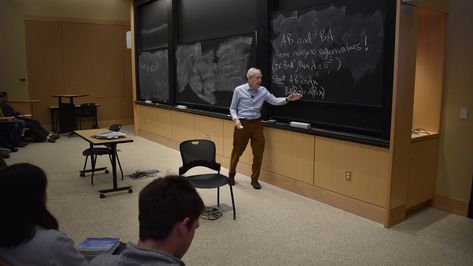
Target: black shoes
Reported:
[(255, 184)]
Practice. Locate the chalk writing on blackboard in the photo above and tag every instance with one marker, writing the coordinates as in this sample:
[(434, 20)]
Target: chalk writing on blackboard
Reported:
[(325, 54), (153, 75), (210, 67)]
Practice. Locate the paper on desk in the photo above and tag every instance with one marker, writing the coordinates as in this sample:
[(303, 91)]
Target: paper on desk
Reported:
[(109, 135)]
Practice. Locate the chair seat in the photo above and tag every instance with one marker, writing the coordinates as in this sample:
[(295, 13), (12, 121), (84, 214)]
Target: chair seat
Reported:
[(96, 151), (208, 180)]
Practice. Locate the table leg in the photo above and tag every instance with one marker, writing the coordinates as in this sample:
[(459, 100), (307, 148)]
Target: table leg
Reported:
[(113, 147)]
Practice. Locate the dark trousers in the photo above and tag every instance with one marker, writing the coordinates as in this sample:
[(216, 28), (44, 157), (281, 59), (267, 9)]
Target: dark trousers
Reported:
[(252, 131), (37, 129), (8, 134)]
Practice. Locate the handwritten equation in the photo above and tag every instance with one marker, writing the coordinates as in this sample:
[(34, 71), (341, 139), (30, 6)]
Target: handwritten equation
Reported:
[(310, 49)]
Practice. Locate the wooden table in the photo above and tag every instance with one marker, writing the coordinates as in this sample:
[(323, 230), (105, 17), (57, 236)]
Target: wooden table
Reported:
[(67, 115), (87, 135), (54, 109)]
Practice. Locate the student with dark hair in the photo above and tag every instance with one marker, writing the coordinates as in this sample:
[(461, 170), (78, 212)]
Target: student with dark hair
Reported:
[(169, 210), (29, 233)]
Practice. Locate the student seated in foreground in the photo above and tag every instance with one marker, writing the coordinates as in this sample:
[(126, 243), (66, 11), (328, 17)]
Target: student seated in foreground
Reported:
[(29, 233), (169, 210)]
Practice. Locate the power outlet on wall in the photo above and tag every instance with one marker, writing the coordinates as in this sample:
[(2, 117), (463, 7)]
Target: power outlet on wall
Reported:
[(348, 175)]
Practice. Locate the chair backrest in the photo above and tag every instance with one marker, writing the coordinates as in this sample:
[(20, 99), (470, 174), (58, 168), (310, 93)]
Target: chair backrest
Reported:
[(87, 109), (115, 127), (197, 152)]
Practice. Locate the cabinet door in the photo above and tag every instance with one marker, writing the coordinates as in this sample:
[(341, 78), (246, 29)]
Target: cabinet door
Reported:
[(422, 171), (367, 167)]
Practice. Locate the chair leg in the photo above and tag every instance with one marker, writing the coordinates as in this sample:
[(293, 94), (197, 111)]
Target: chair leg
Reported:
[(94, 160), (218, 196), (233, 202), (85, 165)]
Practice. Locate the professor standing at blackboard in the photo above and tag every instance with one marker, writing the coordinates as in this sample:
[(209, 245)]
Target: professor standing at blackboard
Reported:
[(245, 110)]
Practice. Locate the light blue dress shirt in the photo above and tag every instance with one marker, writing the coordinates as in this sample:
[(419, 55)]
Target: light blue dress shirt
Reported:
[(247, 103)]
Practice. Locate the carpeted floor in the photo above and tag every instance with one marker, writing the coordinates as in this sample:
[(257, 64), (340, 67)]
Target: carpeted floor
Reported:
[(273, 226)]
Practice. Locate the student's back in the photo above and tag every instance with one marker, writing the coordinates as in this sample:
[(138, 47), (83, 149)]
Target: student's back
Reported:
[(29, 233), (47, 247)]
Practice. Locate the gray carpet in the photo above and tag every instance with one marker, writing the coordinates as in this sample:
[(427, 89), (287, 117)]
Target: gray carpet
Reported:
[(273, 226)]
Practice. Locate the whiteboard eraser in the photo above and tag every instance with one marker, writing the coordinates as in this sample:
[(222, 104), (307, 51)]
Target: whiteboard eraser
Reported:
[(181, 106), (299, 125), (148, 101)]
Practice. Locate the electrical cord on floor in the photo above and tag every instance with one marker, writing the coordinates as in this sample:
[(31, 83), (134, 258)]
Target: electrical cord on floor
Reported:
[(143, 174), (211, 213)]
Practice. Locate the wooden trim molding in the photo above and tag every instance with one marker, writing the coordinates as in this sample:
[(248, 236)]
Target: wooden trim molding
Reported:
[(452, 205)]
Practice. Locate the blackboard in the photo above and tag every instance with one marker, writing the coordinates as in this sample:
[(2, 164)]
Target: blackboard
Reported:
[(328, 55), (339, 54), (153, 25), (208, 71), (153, 69)]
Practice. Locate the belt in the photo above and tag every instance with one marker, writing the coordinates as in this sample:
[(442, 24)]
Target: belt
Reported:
[(249, 120)]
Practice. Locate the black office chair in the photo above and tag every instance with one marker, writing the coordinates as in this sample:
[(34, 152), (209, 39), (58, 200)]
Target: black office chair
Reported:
[(201, 152), (97, 151), (88, 110)]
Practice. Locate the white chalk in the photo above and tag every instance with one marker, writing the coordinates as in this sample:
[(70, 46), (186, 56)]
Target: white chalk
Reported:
[(299, 125), (181, 106)]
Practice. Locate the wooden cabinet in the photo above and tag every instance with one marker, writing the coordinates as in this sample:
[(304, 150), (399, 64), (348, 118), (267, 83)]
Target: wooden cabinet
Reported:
[(422, 170), (355, 170)]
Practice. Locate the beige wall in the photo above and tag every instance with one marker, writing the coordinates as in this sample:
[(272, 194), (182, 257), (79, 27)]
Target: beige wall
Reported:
[(12, 32), (12, 51), (455, 168)]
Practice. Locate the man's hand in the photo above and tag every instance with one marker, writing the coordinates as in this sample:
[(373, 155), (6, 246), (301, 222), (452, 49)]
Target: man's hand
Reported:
[(294, 97), (238, 124)]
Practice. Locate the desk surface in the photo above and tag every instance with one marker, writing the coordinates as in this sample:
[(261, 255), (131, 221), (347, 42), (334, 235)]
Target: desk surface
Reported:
[(70, 95), (87, 134), (53, 107)]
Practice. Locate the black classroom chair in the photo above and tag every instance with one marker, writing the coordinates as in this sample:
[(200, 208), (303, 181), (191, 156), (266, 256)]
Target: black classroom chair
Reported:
[(201, 152)]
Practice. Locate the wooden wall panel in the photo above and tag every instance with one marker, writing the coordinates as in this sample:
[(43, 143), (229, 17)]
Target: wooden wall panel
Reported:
[(154, 120), (80, 58), (127, 65), (210, 128), (109, 43), (79, 53), (429, 69), (422, 171), (368, 166), (45, 66), (401, 119), (293, 157), (183, 126), (113, 107)]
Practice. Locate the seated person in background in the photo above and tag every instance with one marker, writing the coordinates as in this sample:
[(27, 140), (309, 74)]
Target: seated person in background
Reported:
[(38, 132), (169, 210), (11, 130), (29, 232)]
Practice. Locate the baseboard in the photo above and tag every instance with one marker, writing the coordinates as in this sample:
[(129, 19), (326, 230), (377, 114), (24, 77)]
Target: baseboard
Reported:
[(452, 205)]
